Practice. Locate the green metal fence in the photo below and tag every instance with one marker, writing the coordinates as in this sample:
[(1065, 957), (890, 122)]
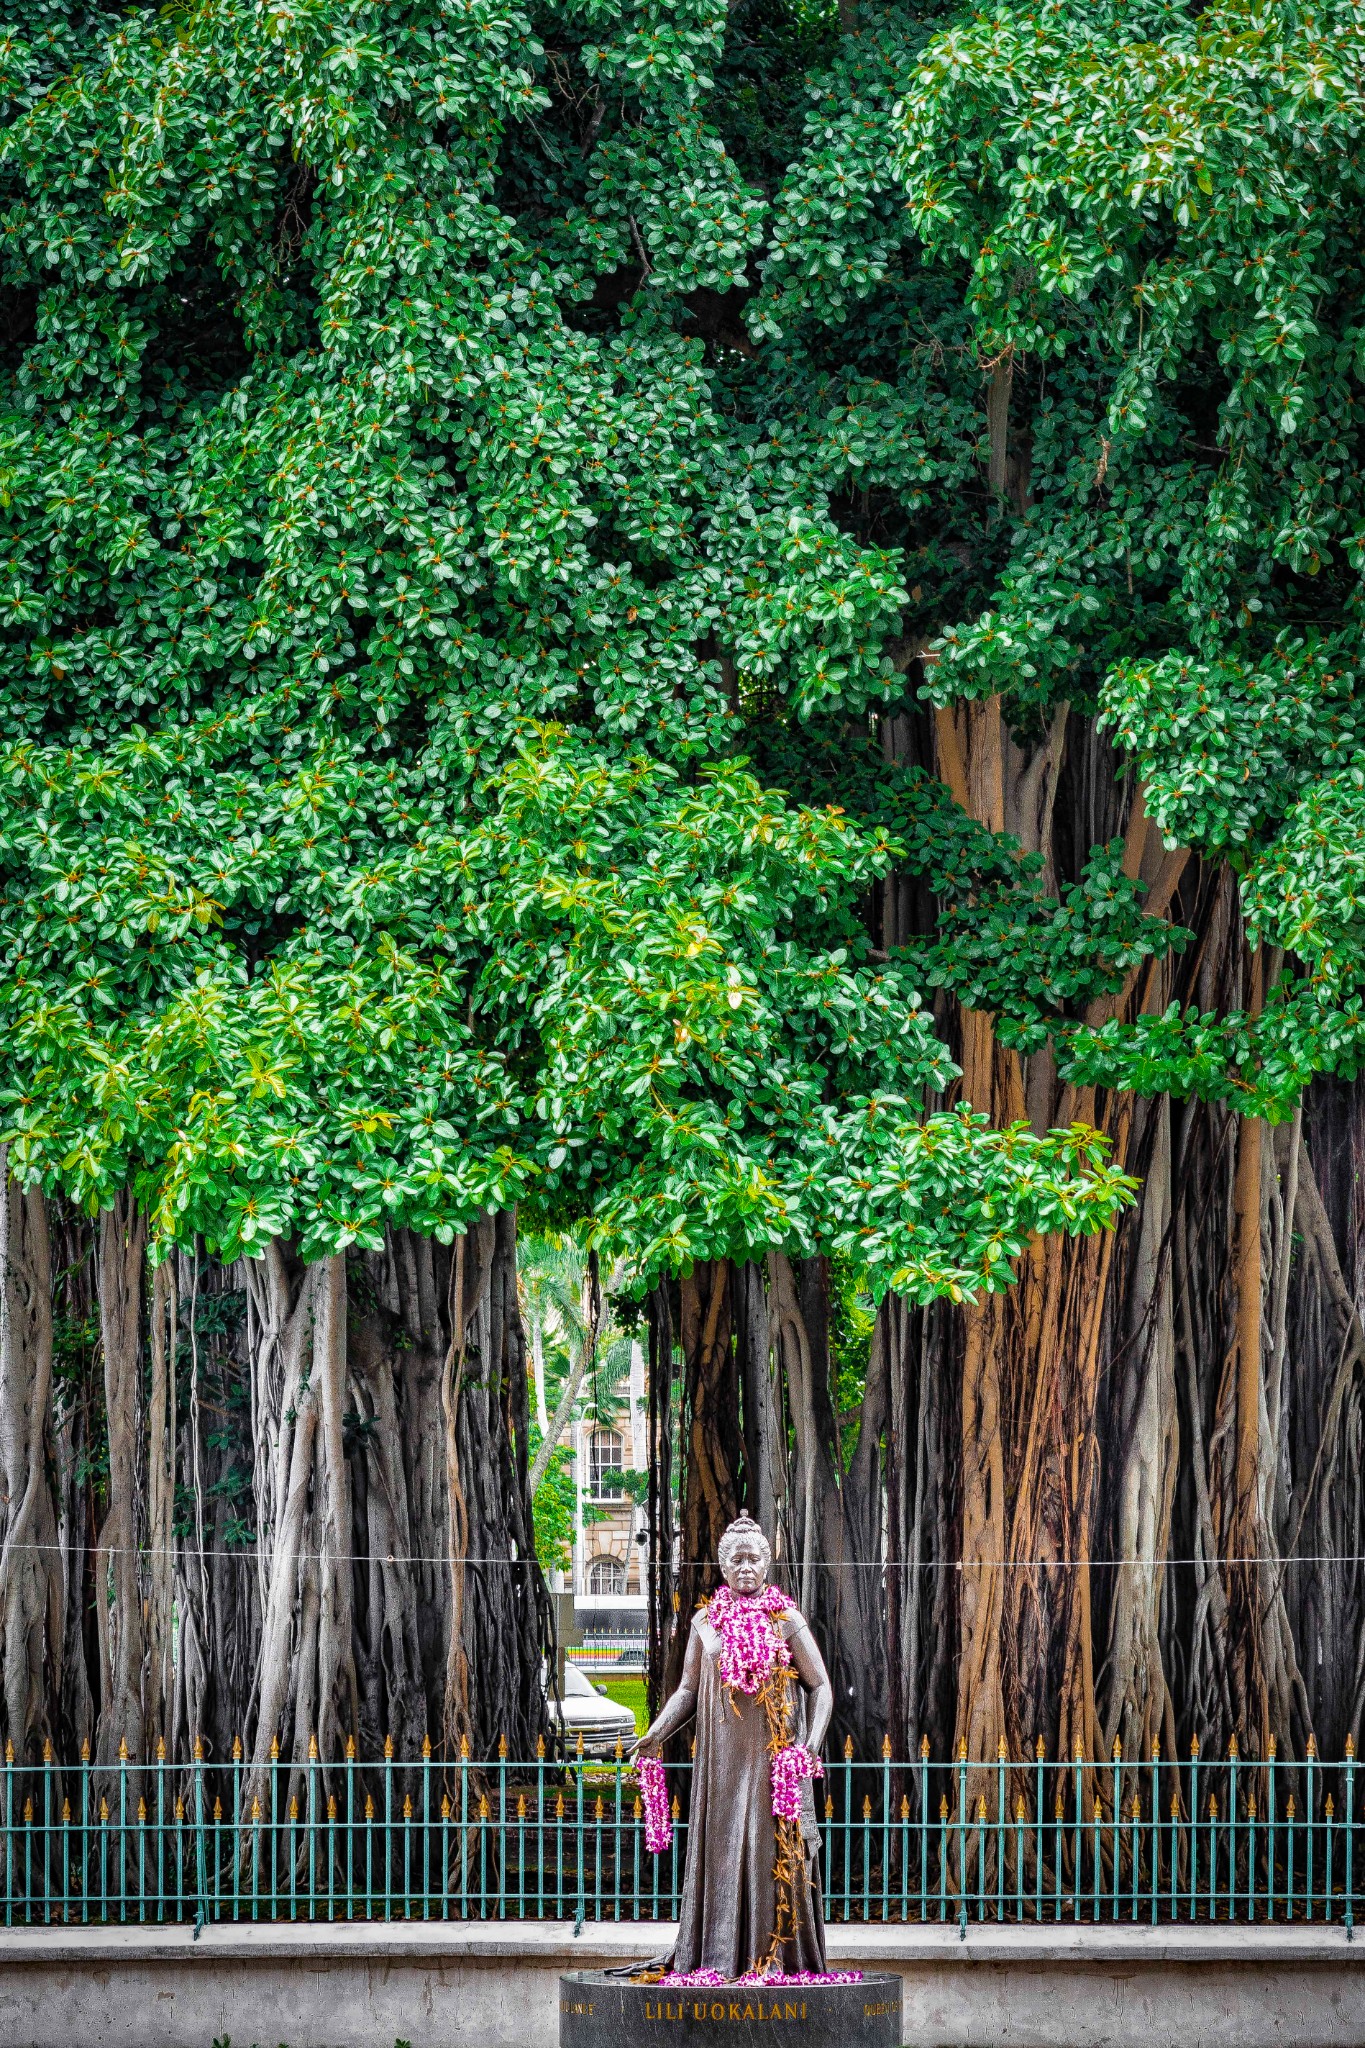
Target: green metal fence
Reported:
[(1011, 1841)]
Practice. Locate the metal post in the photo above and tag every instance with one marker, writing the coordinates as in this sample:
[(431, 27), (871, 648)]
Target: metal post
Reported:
[(848, 1827), (1116, 1832), (1039, 1827), (1079, 1824), (1233, 1761), (1001, 1810), (236, 1774), (1308, 1811), (924, 1828), (1289, 1858), (122, 1829), (426, 1827), (962, 1838), (388, 1826), (9, 1859), (886, 1831), (1156, 1826), (1270, 1820), (85, 1831), (311, 1795), (1350, 1844), (464, 1827), (348, 1774), (1194, 1826), (578, 1834), (47, 1833)]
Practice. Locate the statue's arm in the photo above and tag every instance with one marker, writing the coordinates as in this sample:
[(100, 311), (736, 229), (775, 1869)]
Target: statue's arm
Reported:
[(810, 1669), (675, 1713)]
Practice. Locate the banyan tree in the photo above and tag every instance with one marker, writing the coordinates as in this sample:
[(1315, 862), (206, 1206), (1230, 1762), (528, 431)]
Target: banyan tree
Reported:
[(737, 625)]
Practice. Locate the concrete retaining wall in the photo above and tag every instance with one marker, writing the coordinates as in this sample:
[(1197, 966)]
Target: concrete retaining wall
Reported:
[(480, 1986)]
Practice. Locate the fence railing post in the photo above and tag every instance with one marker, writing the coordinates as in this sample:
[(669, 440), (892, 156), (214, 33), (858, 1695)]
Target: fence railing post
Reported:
[(962, 1839), (1271, 1817), (579, 1907), (1350, 1836), (201, 1846)]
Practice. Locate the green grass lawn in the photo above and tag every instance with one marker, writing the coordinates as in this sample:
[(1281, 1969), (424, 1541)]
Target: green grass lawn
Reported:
[(628, 1692)]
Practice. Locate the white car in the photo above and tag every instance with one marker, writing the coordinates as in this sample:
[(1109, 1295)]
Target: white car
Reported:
[(587, 1712)]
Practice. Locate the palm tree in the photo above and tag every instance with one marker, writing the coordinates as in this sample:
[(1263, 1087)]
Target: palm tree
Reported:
[(561, 1300)]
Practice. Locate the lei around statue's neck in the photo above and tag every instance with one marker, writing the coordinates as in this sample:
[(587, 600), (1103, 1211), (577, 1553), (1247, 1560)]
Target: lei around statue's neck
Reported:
[(768, 1599)]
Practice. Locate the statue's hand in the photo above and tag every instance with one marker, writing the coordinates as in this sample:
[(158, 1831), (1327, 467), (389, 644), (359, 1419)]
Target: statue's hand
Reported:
[(646, 1745)]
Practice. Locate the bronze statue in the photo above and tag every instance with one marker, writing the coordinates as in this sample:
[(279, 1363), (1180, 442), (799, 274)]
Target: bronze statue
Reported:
[(758, 1687)]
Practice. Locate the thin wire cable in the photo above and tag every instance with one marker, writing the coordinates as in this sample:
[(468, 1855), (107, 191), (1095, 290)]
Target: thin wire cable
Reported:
[(823, 1564)]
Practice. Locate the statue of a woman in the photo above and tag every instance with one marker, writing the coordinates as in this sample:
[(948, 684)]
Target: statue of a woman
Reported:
[(762, 1699)]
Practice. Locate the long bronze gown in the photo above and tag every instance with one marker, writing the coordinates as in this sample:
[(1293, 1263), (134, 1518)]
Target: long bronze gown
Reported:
[(729, 1901)]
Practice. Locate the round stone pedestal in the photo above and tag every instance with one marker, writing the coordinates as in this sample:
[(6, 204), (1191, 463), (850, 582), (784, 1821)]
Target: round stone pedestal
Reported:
[(598, 2011)]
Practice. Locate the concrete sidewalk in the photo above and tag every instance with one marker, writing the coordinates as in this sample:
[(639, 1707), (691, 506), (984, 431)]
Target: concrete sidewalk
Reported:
[(493, 1985)]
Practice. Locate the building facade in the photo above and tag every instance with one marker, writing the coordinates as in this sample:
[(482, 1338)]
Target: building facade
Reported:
[(609, 1552)]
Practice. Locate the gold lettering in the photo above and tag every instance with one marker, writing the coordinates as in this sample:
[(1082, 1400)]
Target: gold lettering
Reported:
[(790, 2013), (734, 2010), (698, 2011), (803, 2008), (718, 2012), (749, 2012)]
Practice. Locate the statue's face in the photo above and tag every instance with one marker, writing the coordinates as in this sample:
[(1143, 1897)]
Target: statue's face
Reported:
[(746, 1566)]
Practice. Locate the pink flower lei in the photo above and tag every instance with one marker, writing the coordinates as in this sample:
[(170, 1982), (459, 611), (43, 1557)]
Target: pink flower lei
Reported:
[(751, 1649), (653, 1784), (790, 1767), (712, 1978)]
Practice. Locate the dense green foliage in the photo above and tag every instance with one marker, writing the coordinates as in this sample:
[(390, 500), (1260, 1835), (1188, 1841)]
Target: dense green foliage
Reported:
[(457, 462)]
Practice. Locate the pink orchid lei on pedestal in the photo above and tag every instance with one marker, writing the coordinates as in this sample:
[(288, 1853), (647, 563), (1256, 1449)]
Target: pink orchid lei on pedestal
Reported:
[(713, 1977), (649, 1771)]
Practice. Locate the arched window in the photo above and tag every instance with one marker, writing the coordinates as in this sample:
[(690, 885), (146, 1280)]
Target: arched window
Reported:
[(606, 1460), (606, 1575)]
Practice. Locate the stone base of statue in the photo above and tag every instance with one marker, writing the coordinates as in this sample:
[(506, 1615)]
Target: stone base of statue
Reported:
[(601, 2011)]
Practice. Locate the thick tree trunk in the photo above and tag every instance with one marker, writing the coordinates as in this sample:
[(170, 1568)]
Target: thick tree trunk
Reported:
[(502, 1628), (281, 1299), (77, 1401), (387, 1341), (837, 1553), (421, 1273), (1144, 1431), (338, 1714), (712, 1443), (765, 1448), (118, 1579), (1031, 1360), (161, 1467), (32, 1588)]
